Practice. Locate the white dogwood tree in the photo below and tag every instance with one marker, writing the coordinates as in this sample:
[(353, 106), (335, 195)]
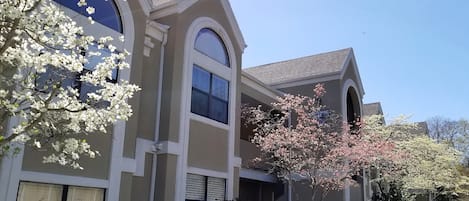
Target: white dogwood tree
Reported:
[(56, 82)]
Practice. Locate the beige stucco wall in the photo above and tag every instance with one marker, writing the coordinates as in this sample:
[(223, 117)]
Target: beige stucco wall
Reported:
[(332, 98), (93, 168), (125, 190), (166, 177), (141, 186), (208, 147)]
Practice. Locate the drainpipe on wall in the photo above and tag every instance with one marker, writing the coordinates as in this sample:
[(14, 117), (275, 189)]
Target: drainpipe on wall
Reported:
[(164, 29)]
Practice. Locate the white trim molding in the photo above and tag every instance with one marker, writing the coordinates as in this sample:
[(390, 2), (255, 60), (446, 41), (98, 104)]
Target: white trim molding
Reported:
[(63, 179), (205, 172), (349, 83), (168, 147), (234, 25), (168, 7), (237, 161), (156, 31)]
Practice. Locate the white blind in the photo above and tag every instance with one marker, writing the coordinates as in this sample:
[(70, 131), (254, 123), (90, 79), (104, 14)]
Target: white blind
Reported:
[(76, 193), (195, 187), (215, 189), (29, 191)]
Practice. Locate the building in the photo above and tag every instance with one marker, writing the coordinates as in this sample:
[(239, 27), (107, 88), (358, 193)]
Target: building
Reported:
[(185, 140), (338, 72)]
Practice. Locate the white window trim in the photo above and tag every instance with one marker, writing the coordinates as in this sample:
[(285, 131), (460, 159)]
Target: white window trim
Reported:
[(208, 121), (189, 61), (349, 83), (211, 65), (63, 179)]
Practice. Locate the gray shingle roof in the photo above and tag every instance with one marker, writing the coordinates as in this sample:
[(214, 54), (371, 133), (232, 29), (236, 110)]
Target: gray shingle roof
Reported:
[(372, 109), (300, 68)]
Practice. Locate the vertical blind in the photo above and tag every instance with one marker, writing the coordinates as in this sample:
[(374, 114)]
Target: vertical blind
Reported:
[(195, 187), (200, 187)]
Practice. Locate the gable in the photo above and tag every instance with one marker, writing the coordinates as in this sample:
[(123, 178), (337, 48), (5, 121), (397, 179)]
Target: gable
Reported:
[(165, 8), (350, 71)]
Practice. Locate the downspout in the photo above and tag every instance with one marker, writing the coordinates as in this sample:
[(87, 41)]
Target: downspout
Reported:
[(165, 29)]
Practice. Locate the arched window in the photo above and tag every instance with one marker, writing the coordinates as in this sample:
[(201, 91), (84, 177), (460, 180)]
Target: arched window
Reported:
[(106, 13), (210, 44), (210, 91)]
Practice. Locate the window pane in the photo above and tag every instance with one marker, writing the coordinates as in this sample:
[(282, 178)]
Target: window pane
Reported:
[(219, 110), (29, 191), (200, 79), (199, 102), (106, 13), (219, 88), (95, 60), (195, 187), (76, 193), (85, 89), (210, 44), (53, 76), (215, 188)]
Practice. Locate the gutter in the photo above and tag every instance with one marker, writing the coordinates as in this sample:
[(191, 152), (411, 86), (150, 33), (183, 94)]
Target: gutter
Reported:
[(164, 29)]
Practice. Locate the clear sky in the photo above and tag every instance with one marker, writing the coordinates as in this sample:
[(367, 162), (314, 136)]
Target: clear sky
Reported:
[(413, 56)]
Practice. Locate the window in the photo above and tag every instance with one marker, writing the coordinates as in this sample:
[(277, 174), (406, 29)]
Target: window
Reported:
[(64, 78), (200, 187), (30, 191), (209, 95), (210, 44), (106, 13)]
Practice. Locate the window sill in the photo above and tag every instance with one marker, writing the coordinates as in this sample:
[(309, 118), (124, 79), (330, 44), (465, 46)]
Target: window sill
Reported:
[(209, 121)]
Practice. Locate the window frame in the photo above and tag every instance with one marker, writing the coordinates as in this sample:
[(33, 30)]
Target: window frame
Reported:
[(116, 26), (210, 96), (217, 39), (214, 68)]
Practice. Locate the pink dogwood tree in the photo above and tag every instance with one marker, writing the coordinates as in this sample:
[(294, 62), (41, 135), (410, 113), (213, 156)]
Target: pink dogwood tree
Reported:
[(299, 138)]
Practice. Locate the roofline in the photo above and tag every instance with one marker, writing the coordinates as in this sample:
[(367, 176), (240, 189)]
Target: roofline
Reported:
[(297, 58), (322, 77), (234, 25), (178, 6), (259, 86), (351, 58)]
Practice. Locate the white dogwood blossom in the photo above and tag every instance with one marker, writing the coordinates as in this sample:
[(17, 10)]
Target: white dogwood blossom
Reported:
[(44, 59)]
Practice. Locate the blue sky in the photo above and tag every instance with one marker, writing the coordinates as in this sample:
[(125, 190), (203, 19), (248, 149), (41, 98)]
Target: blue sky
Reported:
[(413, 56)]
